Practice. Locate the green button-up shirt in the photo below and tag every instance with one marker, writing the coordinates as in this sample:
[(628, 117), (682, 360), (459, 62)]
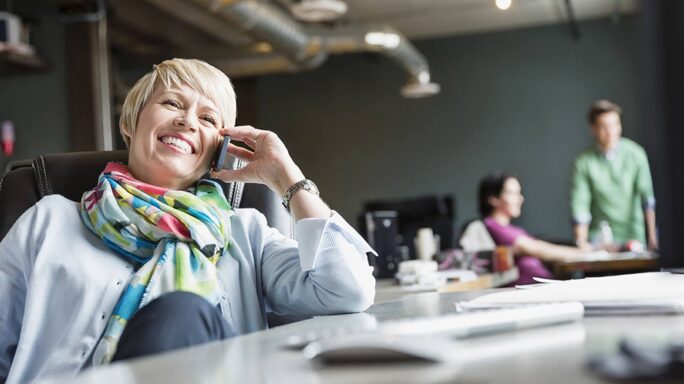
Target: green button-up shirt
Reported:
[(615, 187)]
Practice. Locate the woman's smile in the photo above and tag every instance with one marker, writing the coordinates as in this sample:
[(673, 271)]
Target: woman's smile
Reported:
[(178, 144)]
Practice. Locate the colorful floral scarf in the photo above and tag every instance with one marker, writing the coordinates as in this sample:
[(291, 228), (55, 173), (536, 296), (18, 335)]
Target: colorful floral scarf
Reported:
[(174, 239)]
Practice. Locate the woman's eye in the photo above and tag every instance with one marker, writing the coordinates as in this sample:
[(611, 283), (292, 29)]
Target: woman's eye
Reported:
[(209, 119), (172, 103)]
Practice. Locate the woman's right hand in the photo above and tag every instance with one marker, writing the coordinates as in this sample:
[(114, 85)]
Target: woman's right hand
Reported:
[(268, 162), (267, 158)]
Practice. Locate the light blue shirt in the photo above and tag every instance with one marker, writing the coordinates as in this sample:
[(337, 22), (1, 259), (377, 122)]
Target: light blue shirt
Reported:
[(59, 283)]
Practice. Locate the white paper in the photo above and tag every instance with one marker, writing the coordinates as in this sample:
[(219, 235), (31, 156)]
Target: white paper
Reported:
[(634, 287)]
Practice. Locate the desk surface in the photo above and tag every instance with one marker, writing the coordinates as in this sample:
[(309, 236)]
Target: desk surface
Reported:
[(554, 354)]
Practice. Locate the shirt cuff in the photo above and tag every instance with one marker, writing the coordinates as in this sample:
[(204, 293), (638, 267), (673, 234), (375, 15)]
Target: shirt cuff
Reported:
[(582, 218), (649, 203), (315, 235)]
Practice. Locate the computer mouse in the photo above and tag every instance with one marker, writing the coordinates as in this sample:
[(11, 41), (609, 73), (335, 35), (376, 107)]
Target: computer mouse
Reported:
[(373, 348), (331, 326)]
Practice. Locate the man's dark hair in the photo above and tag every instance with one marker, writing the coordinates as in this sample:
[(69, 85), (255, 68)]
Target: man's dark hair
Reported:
[(599, 107), (491, 186)]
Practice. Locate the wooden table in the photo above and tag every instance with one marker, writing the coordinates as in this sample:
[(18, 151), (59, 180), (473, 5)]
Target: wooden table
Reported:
[(619, 262)]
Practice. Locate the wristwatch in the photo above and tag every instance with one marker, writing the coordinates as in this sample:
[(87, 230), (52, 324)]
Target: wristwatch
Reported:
[(305, 184)]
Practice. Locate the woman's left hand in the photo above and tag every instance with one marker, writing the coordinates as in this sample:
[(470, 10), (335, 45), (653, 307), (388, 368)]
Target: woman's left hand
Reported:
[(268, 161)]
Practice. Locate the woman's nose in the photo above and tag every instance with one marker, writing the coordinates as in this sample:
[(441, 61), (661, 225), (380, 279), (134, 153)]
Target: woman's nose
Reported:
[(187, 121)]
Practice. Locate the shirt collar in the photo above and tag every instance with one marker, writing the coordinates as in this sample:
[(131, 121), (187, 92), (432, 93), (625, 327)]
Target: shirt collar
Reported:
[(610, 154)]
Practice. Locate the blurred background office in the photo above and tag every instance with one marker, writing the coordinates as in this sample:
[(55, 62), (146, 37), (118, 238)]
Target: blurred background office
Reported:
[(391, 100)]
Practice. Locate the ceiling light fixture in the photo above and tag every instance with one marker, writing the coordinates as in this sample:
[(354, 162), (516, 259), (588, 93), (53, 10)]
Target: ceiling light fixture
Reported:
[(503, 4), (386, 40), (315, 11)]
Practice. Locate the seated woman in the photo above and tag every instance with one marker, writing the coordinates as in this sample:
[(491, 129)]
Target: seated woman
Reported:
[(500, 201), (153, 258)]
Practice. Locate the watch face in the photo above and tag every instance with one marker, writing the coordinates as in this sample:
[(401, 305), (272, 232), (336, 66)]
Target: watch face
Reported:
[(311, 187)]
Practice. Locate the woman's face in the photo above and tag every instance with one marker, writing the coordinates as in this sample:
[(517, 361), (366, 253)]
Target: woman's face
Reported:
[(176, 137), (510, 200)]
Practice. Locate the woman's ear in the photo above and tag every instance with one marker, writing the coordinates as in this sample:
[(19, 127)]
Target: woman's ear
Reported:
[(493, 201)]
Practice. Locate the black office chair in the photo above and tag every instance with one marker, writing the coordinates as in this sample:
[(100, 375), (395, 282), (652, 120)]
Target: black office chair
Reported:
[(71, 174)]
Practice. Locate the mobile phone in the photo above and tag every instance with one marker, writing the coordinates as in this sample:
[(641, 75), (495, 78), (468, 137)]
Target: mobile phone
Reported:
[(221, 155)]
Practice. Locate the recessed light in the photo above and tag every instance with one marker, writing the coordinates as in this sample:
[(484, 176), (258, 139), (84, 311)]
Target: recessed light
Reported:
[(503, 4)]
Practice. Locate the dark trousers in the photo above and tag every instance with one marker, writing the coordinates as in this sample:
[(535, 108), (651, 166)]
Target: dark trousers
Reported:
[(171, 321)]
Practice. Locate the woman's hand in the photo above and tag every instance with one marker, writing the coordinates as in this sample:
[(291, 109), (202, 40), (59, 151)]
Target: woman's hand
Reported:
[(268, 161)]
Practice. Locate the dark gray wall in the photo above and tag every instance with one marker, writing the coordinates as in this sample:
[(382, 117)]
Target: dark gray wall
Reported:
[(36, 103), (513, 100)]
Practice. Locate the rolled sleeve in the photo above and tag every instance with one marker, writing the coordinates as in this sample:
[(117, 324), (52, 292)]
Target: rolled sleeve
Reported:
[(649, 203), (581, 218), (317, 235), (324, 272)]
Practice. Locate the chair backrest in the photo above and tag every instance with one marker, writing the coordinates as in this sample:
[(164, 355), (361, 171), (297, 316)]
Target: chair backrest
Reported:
[(71, 174), (475, 237)]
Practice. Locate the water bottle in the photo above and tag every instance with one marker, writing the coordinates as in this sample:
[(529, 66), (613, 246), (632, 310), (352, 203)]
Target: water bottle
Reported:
[(605, 233)]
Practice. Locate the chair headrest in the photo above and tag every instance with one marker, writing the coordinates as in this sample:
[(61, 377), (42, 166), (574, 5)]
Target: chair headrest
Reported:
[(71, 174), (476, 238)]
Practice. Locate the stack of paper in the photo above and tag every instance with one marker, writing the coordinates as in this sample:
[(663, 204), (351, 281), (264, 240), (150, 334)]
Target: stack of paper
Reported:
[(642, 293)]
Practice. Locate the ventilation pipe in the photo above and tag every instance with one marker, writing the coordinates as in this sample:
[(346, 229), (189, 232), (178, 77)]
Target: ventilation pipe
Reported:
[(264, 22), (391, 43), (300, 50)]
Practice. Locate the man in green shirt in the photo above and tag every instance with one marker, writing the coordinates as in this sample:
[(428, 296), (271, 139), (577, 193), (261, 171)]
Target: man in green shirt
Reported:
[(611, 182)]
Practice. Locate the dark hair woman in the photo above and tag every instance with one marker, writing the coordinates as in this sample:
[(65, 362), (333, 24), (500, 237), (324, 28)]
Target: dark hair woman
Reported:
[(500, 201)]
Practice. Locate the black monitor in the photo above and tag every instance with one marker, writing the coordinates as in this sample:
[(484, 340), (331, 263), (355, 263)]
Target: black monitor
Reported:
[(434, 211)]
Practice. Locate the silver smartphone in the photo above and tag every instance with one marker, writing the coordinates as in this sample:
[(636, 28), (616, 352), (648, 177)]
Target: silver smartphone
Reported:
[(221, 155)]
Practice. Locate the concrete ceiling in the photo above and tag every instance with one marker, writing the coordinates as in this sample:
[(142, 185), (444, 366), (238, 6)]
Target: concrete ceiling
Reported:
[(143, 26), (419, 19), (255, 42)]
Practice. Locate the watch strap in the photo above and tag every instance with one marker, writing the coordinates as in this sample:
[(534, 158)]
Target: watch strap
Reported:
[(305, 184)]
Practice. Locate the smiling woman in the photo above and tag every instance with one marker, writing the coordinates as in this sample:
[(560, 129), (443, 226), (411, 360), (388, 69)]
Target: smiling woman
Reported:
[(179, 107), (176, 138), (154, 258)]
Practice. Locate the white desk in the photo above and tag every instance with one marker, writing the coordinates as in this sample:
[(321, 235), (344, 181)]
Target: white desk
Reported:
[(554, 354)]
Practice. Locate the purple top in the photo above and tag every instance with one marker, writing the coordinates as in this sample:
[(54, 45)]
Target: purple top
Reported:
[(528, 266)]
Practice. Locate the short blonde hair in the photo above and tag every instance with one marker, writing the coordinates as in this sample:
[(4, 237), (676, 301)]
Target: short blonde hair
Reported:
[(198, 75)]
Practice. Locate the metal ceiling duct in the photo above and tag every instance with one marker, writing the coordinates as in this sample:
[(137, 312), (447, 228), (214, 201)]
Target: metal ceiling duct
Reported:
[(265, 22), (391, 43), (296, 49)]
